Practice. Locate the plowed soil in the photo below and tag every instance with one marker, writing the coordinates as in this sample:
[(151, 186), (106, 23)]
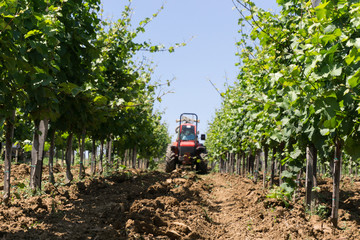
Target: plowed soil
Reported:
[(138, 204)]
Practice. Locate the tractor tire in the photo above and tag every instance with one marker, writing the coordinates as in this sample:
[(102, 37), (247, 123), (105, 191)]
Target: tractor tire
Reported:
[(201, 167), (170, 161)]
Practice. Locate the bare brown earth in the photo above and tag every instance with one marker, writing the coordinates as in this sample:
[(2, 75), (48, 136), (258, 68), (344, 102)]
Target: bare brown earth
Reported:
[(181, 205)]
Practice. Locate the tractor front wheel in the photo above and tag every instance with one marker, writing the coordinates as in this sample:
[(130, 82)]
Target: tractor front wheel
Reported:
[(201, 166), (170, 161)]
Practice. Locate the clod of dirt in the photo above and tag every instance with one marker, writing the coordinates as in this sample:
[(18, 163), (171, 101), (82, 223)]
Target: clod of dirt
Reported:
[(37, 203), (49, 188), (173, 234), (179, 181), (74, 191), (176, 173), (180, 227), (193, 236), (22, 169), (190, 175), (168, 201), (157, 188), (158, 221)]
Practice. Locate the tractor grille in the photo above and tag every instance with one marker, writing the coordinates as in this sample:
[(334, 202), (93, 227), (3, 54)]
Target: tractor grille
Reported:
[(190, 150)]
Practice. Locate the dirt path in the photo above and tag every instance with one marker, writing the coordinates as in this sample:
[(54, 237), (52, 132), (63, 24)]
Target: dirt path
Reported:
[(180, 205), (233, 215), (243, 212)]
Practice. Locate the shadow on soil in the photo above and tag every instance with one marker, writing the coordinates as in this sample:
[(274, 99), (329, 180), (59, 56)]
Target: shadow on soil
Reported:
[(349, 202)]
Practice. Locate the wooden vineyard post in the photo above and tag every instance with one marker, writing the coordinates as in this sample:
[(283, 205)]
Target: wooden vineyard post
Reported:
[(134, 158), (350, 167), (233, 163), (101, 169), (7, 164), (82, 148), (126, 157), (272, 167), (315, 194), (309, 182), (213, 165), (315, 166), (281, 167), (238, 164), (247, 170), (123, 160), (265, 164), (243, 167), (51, 156), (69, 176), (93, 157), (256, 167), (72, 157), (106, 154), (227, 163), (110, 161), (56, 156), (119, 159), (37, 153), (128, 160), (336, 184), (147, 163), (250, 163), (221, 165)]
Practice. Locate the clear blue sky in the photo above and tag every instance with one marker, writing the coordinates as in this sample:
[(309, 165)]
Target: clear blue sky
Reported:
[(210, 55)]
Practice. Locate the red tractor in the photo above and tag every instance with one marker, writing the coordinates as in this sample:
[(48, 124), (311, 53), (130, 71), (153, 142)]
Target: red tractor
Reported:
[(187, 151)]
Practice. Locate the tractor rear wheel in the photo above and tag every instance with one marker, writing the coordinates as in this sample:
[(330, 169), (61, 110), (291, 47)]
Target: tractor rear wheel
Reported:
[(201, 166), (170, 161)]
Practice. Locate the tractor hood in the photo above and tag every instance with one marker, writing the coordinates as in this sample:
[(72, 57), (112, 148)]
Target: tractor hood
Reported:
[(187, 144)]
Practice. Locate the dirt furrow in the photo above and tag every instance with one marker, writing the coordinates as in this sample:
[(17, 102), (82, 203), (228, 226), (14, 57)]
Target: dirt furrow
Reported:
[(180, 205)]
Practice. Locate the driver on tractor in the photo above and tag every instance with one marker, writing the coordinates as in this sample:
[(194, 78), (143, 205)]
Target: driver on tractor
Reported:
[(187, 135)]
